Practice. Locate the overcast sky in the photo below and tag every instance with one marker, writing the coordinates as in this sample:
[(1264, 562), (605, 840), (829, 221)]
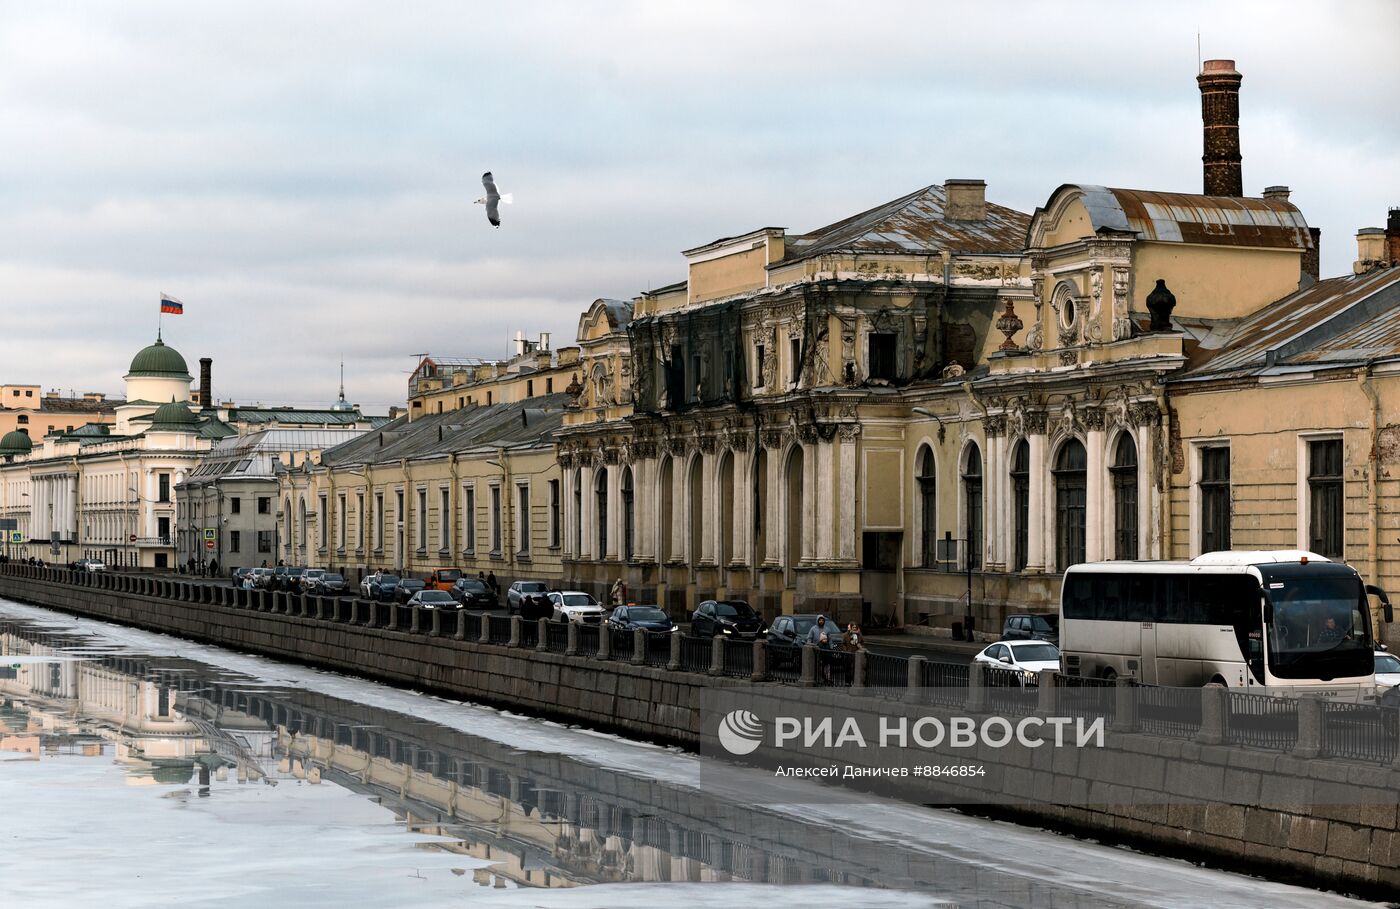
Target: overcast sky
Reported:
[(301, 174)]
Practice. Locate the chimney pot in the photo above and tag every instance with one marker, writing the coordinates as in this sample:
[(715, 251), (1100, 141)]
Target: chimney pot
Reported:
[(206, 371), (1219, 83), (1279, 193), (967, 200), (1370, 249)]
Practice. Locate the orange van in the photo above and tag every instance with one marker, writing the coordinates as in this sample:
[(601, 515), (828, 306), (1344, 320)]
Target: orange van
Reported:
[(444, 578)]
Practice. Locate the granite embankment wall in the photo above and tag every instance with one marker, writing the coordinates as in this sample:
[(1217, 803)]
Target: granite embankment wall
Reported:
[(1292, 814)]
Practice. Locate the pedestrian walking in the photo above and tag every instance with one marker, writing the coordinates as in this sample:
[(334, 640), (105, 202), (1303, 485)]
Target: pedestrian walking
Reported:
[(213, 568), (618, 595), (494, 585)]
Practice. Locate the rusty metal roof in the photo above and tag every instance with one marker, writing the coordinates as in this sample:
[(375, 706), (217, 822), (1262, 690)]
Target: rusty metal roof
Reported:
[(913, 224), (1352, 319), (1185, 218)]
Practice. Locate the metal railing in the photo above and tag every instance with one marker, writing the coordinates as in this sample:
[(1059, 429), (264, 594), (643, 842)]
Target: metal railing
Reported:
[(1168, 711), (1081, 696), (695, 654), (622, 643), (471, 626), (884, 671), (1261, 721), (497, 629), (1366, 732), (1011, 690), (784, 662), (529, 634), (556, 637), (658, 650), (738, 659), (588, 639)]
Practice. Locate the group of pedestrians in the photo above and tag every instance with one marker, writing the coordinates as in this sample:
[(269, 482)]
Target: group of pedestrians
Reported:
[(835, 651)]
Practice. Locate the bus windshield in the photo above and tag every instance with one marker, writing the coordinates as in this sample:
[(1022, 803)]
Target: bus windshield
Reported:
[(1320, 628)]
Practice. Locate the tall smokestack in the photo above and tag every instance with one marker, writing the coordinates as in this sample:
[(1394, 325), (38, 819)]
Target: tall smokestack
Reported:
[(206, 373), (1220, 113)]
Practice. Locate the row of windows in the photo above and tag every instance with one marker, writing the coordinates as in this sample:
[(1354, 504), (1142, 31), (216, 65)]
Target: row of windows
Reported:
[(1228, 599), (1325, 511)]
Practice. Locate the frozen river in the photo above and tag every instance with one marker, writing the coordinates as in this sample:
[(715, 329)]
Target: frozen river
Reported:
[(141, 770)]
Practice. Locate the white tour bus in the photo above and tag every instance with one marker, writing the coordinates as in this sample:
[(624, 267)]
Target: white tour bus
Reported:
[(1286, 619)]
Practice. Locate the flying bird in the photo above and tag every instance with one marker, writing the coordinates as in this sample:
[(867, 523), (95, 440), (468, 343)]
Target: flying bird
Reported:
[(492, 198)]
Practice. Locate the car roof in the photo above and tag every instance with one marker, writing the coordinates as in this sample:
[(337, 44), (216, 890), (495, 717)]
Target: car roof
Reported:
[(573, 593)]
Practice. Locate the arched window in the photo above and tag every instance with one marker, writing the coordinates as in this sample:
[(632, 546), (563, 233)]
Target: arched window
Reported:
[(794, 509), (665, 494), (695, 499), (928, 509), (1071, 476), (1125, 501), (628, 515), (972, 506), (1021, 505), (600, 485)]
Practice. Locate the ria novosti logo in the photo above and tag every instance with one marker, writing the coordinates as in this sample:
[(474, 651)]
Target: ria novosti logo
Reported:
[(740, 732)]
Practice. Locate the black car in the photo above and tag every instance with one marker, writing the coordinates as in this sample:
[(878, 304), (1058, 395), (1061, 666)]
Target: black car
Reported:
[(789, 632), (732, 618), (407, 588), (380, 586), (287, 578), (648, 618), (1032, 627), (473, 594), (329, 585)]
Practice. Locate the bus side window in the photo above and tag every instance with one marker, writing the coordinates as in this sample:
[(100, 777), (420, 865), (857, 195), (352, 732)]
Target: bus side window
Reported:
[(1141, 600), (1172, 600), (1079, 597), (1110, 597)]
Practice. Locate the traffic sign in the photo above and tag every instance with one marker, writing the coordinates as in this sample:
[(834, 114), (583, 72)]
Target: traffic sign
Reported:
[(131, 539), (210, 534), (208, 544), (16, 536)]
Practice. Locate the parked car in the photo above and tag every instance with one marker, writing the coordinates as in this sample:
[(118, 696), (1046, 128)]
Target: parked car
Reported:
[(575, 606), (328, 584), (1032, 627), (788, 633), (380, 587), (262, 578), (1387, 671), (444, 578), (517, 592), (286, 577), (96, 565), (433, 599), (407, 588), (236, 579), (473, 593), (307, 581), (734, 618), (1026, 657), (648, 618)]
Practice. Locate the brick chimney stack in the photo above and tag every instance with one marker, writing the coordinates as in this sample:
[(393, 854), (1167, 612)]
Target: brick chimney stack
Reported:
[(206, 372), (1392, 236), (1219, 82)]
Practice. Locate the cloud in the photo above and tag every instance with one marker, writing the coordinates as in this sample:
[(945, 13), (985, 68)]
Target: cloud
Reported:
[(301, 173)]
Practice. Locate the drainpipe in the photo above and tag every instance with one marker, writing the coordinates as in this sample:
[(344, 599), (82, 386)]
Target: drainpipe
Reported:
[(1373, 465)]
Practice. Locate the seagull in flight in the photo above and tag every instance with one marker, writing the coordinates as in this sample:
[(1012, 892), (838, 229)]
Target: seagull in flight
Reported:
[(491, 199)]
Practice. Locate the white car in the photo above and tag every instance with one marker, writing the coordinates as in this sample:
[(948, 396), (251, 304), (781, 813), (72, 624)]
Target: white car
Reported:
[(576, 606), (1025, 657), (1387, 671), (96, 565)]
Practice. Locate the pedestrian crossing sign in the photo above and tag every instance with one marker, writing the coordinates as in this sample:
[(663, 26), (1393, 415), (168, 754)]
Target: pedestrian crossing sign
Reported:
[(209, 533), (16, 536)]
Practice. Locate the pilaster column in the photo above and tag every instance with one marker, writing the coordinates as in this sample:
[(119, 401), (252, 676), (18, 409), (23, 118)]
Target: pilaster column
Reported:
[(809, 504), (589, 535), (742, 504), (847, 482), (1096, 521), (823, 491), (709, 511), (775, 534), (614, 488), (1036, 535), (680, 508)]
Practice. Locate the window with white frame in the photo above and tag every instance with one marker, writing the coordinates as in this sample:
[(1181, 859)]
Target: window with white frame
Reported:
[(444, 518), (1326, 502), (379, 521), (495, 520), (555, 515), (522, 495), (469, 519), (340, 522), (360, 520), (421, 538)]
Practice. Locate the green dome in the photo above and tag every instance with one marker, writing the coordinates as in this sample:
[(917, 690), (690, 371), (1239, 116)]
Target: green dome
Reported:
[(174, 417), (16, 443), (160, 361)]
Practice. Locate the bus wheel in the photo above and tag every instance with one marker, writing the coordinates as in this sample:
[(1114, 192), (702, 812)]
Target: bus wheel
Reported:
[(1109, 674), (1217, 681)]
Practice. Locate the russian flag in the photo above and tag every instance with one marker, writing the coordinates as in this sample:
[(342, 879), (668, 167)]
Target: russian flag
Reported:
[(171, 305)]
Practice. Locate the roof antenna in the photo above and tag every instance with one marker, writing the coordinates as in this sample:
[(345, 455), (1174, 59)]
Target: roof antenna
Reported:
[(1198, 48)]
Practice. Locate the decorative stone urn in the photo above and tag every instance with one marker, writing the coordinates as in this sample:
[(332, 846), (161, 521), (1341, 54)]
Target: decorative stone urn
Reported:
[(1008, 324), (1160, 303)]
